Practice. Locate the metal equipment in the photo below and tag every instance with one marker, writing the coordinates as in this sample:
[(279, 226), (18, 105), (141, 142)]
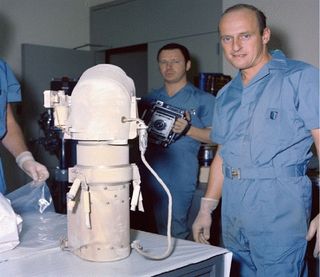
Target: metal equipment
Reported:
[(101, 115)]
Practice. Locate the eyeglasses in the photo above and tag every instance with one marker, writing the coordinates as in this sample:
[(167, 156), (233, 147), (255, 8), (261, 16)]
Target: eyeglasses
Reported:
[(166, 63)]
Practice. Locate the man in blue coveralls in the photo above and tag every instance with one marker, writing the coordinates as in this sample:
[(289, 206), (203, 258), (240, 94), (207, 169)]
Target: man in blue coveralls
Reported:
[(10, 132), (176, 164), (265, 121)]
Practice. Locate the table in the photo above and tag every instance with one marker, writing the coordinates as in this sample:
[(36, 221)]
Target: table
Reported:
[(39, 254)]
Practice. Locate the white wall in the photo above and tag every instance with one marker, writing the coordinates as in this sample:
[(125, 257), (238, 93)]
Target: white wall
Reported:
[(61, 23), (65, 23), (294, 25)]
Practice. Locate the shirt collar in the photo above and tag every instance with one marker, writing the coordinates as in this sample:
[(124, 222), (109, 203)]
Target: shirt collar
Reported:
[(278, 62)]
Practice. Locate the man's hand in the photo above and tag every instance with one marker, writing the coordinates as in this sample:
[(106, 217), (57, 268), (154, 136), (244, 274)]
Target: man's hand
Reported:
[(315, 228), (35, 170), (202, 223), (182, 125)]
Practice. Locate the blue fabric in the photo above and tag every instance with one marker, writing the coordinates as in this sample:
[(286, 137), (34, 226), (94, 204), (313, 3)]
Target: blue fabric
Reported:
[(267, 124), (177, 164), (9, 92)]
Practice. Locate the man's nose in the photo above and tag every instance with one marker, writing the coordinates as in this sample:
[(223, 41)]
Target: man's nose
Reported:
[(236, 45), (169, 64)]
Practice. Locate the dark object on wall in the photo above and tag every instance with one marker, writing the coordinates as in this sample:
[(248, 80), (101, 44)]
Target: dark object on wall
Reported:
[(211, 82), (54, 142)]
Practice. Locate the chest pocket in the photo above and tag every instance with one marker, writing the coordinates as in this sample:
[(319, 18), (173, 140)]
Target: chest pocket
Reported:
[(271, 128)]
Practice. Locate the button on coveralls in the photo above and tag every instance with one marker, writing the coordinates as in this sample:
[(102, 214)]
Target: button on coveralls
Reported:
[(264, 133), (9, 92)]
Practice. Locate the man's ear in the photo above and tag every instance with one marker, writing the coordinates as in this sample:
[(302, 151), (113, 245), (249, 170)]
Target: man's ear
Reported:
[(188, 65), (266, 35)]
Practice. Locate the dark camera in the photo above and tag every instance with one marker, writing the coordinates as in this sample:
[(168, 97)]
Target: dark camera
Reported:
[(160, 118)]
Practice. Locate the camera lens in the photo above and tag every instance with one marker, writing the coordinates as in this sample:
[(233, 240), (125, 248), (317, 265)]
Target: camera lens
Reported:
[(159, 124)]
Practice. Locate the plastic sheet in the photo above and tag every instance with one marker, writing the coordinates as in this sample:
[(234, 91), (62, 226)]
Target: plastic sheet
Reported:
[(42, 228), (39, 252), (31, 197)]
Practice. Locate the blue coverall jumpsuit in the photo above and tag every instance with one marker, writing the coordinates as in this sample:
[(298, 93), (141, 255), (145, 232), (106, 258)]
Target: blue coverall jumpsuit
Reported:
[(177, 164), (264, 133), (9, 92)]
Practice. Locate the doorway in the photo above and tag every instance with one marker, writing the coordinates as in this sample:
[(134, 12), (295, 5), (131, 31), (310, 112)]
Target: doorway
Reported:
[(134, 61)]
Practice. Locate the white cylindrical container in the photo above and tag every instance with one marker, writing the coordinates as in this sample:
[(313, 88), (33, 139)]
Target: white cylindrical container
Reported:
[(98, 216), (98, 203)]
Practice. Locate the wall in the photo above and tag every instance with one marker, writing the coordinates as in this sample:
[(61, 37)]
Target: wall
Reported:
[(63, 23), (294, 25), (156, 23)]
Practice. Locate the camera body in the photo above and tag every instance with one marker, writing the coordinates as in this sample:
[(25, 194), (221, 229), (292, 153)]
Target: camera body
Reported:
[(160, 119)]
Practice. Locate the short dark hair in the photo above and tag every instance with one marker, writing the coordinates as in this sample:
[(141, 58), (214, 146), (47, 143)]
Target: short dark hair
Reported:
[(262, 19), (171, 46)]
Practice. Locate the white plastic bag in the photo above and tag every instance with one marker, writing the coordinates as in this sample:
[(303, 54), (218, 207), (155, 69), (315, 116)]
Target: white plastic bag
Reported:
[(11, 225)]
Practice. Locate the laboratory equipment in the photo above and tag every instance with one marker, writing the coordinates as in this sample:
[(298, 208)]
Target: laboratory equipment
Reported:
[(101, 114)]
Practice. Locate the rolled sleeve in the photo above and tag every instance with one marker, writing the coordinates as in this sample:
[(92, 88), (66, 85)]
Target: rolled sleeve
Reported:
[(308, 97), (9, 83)]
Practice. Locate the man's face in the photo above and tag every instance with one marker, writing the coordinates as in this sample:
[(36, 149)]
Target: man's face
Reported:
[(173, 66), (242, 43)]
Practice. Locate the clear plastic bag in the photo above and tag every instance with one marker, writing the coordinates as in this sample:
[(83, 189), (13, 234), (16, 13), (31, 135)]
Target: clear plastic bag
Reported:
[(30, 197), (42, 227)]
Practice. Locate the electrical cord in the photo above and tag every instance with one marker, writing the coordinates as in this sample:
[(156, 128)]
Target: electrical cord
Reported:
[(136, 244), (143, 142)]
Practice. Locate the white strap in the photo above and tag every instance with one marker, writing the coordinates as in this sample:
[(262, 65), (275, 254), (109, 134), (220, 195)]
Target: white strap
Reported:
[(136, 195)]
